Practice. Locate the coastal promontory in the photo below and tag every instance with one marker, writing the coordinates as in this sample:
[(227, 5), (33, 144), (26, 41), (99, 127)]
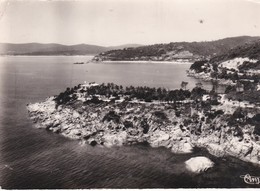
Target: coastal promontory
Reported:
[(180, 120), (175, 51)]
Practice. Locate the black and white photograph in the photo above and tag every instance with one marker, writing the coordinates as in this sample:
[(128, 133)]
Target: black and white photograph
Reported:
[(129, 94)]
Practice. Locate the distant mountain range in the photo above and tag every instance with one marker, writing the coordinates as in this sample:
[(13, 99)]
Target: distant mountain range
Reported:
[(56, 49), (191, 51)]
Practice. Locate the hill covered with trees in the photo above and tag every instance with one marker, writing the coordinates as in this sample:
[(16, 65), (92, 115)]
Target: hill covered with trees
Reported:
[(242, 62), (239, 68), (247, 50), (176, 50)]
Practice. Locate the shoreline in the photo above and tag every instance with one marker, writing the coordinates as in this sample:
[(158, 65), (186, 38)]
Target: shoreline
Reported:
[(148, 62), (125, 123), (44, 55), (206, 77)]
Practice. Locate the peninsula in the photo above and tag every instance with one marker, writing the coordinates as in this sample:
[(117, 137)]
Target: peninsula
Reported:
[(180, 120), (225, 124), (175, 51)]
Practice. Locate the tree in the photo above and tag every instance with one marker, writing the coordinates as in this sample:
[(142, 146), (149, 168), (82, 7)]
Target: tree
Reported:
[(235, 76), (213, 97), (229, 89), (199, 85), (197, 93), (214, 85), (197, 66), (224, 74), (214, 74), (215, 67), (239, 86), (184, 85)]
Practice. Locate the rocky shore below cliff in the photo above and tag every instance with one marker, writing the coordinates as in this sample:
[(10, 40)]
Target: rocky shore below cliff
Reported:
[(161, 124)]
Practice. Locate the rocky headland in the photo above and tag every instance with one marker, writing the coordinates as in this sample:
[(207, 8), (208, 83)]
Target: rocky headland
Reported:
[(180, 120)]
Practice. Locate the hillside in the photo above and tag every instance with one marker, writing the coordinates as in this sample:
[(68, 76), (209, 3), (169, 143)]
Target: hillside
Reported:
[(176, 50), (241, 58), (238, 64), (55, 49), (248, 50)]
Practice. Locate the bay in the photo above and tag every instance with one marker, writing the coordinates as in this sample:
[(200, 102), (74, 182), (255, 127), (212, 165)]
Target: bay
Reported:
[(34, 158)]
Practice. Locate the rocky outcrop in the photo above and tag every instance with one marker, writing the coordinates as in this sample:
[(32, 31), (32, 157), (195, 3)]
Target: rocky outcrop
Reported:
[(126, 123), (198, 164), (115, 139)]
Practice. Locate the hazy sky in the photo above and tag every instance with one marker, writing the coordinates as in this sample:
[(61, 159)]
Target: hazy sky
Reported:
[(115, 22)]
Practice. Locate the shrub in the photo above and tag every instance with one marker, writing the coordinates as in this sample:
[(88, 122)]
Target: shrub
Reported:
[(178, 113), (128, 124), (160, 115), (230, 89), (257, 130), (211, 115), (219, 112), (95, 100), (256, 118), (112, 116), (197, 66), (145, 126), (238, 113)]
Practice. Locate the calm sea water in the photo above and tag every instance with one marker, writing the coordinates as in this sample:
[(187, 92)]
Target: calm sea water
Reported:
[(34, 158)]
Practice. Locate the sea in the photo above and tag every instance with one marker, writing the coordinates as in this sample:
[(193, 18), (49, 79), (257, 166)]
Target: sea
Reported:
[(32, 158)]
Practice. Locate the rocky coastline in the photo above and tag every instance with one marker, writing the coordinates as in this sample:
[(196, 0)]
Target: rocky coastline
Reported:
[(207, 78), (178, 126)]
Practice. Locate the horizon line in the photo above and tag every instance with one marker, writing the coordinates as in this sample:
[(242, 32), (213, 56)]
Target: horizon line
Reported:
[(91, 44)]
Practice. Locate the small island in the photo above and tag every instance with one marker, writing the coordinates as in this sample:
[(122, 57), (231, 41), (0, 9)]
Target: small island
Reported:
[(180, 120)]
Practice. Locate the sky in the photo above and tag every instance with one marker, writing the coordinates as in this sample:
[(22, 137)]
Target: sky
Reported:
[(117, 22)]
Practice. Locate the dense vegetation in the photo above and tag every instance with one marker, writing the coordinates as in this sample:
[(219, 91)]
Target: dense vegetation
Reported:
[(249, 65), (147, 94), (250, 96), (245, 72), (249, 50), (197, 66), (238, 119)]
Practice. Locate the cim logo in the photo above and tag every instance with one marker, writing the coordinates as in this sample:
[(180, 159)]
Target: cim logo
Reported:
[(251, 179)]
